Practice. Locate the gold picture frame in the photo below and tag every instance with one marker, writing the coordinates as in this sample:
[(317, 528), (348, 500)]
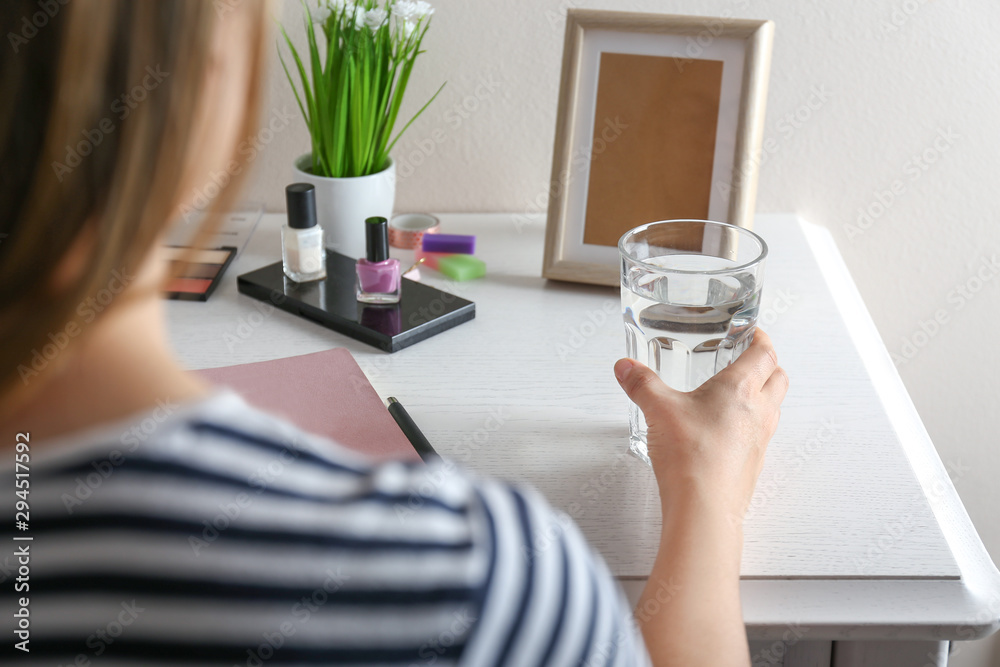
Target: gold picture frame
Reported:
[(660, 117)]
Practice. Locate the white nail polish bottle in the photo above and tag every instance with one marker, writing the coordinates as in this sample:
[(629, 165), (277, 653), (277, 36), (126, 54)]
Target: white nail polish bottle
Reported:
[(303, 253)]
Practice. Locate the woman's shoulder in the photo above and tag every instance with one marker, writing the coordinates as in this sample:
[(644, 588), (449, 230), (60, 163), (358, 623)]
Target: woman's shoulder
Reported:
[(220, 501), (221, 440)]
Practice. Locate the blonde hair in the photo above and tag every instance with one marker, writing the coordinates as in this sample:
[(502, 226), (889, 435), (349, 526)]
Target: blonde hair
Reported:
[(83, 154)]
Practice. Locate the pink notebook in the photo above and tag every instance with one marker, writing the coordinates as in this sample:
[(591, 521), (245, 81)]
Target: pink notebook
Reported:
[(325, 393)]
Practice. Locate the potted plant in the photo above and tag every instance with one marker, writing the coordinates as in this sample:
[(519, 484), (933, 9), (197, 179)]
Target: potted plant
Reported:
[(360, 56)]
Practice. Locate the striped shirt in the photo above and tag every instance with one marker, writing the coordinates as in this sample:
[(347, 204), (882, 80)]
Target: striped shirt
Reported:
[(214, 534)]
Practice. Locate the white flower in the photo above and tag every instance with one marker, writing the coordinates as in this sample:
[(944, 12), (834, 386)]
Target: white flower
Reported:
[(321, 13), (423, 9), (404, 26), (355, 15), (404, 10), (412, 10), (375, 18)]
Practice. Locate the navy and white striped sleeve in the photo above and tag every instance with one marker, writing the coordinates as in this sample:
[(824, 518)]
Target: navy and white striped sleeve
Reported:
[(550, 600), (230, 538)]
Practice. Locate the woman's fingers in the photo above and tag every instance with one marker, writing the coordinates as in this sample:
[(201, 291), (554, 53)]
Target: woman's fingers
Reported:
[(641, 384), (754, 366), (776, 386), (753, 369)]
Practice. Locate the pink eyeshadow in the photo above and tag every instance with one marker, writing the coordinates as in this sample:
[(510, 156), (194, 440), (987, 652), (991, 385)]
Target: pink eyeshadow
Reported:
[(190, 285)]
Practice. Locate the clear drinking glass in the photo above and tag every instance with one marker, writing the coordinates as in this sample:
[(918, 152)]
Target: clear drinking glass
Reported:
[(690, 296)]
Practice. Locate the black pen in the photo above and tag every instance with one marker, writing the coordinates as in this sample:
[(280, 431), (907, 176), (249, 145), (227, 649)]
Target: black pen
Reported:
[(410, 430)]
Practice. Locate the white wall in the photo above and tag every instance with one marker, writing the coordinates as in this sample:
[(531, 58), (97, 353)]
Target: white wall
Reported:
[(895, 75)]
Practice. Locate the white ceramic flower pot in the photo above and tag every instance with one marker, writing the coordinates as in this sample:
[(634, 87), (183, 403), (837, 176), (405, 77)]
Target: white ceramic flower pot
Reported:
[(342, 204)]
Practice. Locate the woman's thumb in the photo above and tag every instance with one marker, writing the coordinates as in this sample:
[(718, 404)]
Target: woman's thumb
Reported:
[(641, 384)]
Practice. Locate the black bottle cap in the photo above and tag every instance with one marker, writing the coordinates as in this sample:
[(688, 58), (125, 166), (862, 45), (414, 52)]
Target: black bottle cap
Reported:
[(377, 239), (300, 199)]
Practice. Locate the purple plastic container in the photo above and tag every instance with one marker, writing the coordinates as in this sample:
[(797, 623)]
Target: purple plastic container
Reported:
[(454, 243)]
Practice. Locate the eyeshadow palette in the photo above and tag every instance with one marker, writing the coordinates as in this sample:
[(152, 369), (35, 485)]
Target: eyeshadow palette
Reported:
[(200, 271), (422, 311)]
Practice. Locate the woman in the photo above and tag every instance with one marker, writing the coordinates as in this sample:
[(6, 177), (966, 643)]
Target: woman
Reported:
[(172, 523)]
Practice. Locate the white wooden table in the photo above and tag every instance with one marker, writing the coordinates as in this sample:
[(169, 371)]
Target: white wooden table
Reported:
[(858, 551)]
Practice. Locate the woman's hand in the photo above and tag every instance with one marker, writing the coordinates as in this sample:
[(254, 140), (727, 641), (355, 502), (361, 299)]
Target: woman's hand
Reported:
[(707, 448), (709, 444)]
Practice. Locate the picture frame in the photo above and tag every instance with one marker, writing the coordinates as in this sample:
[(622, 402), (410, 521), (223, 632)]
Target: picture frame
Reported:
[(660, 117)]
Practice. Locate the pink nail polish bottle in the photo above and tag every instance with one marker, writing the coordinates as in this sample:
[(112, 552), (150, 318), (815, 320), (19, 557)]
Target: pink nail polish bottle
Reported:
[(378, 274)]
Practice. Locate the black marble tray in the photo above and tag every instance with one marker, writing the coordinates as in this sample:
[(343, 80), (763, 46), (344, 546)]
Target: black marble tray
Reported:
[(422, 311)]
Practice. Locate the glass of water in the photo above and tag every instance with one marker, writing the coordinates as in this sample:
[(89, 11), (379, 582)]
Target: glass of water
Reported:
[(690, 296)]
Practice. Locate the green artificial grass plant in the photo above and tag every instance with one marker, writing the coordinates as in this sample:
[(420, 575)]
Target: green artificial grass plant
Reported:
[(353, 88)]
